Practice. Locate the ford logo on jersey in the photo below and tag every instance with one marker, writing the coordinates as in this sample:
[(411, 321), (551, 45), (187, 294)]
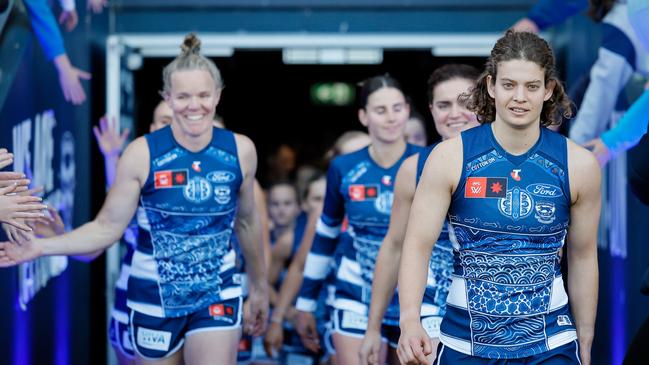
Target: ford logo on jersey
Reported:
[(220, 177), (544, 190)]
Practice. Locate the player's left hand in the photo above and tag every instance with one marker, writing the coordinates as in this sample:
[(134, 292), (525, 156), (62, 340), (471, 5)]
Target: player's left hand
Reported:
[(257, 306)]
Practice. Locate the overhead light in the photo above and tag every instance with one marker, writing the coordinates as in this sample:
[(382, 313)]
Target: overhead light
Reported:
[(172, 50), (461, 51), (332, 56)]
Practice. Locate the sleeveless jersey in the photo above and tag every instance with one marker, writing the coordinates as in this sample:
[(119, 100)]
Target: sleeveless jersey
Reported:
[(510, 215), (362, 191), (440, 266), (184, 259)]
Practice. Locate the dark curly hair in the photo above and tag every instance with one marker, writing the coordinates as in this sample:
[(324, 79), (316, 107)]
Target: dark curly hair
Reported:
[(520, 46)]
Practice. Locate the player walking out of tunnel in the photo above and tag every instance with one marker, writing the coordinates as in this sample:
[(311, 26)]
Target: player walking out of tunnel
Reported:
[(514, 192), (191, 184), (360, 187), (445, 86)]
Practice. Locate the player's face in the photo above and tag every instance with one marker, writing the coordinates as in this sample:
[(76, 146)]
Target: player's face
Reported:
[(450, 114), (193, 98), (282, 205), (519, 92), (162, 117), (385, 115), (315, 196), (415, 132)]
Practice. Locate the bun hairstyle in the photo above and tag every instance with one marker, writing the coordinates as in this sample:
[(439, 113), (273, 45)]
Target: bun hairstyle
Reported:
[(525, 46), (190, 58), (191, 45)]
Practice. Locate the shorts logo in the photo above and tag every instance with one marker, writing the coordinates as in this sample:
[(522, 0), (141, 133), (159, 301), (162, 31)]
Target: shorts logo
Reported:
[(544, 212), (222, 194), (222, 312), (544, 190), (359, 193), (432, 325), (563, 320), (197, 190), (153, 340), (220, 177), (170, 179), (196, 166), (485, 187), (353, 320), (515, 174)]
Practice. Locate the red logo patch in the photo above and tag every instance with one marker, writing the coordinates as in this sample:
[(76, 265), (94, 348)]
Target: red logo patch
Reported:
[(217, 310), (162, 179), (476, 187), (170, 178), (357, 193), (486, 187), (371, 191)]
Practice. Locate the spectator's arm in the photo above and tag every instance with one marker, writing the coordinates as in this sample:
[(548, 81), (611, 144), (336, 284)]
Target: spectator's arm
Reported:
[(630, 129), (45, 28), (547, 13), (608, 76)]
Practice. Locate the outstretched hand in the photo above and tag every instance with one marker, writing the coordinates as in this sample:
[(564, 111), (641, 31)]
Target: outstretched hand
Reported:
[(69, 18), (110, 141), (97, 6), (70, 80), (12, 254), (6, 158), (14, 207)]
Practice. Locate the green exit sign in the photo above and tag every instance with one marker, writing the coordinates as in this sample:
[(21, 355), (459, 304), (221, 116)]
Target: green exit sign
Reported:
[(333, 93)]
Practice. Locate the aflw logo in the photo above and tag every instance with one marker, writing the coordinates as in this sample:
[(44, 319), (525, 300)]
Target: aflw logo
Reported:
[(476, 189)]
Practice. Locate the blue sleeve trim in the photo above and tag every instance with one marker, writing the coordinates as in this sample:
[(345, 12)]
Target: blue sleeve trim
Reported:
[(616, 41), (630, 128), (45, 27), (546, 13)]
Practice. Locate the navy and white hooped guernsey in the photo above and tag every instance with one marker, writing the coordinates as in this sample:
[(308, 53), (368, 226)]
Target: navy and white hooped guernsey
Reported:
[(363, 191), (184, 260), (510, 215), (440, 265)]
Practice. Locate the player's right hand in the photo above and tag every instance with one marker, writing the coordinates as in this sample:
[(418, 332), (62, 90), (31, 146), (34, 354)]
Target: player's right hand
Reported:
[(414, 344), (306, 328)]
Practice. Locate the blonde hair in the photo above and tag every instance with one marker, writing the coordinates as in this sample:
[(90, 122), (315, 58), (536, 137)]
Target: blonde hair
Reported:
[(190, 58)]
